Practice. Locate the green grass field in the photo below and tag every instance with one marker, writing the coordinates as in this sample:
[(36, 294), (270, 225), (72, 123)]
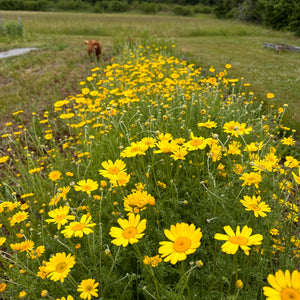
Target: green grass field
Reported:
[(36, 80)]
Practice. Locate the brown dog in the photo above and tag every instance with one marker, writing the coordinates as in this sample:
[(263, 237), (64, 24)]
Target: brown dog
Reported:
[(94, 47)]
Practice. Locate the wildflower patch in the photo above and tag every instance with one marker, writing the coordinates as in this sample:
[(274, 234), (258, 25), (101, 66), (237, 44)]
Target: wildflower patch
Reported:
[(125, 190)]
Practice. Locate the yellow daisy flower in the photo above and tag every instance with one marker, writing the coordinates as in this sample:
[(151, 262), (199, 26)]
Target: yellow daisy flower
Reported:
[(241, 239), (254, 204), (185, 239), (284, 286), (60, 216), (112, 169), (88, 287), (252, 178), (59, 266), (77, 229), (23, 246), (87, 186), (18, 217), (54, 175), (130, 232)]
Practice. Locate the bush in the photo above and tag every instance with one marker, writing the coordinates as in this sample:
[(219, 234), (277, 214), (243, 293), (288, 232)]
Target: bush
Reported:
[(35, 5), (181, 10), (73, 5), (12, 4), (148, 8), (203, 9), (111, 6)]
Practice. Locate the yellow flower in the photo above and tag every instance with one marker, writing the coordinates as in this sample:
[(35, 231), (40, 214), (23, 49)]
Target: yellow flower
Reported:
[(291, 162), (185, 239), (54, 175), (77, 229), (67, 116), (88, 287), (4, 159), (252, 178), (234, 148), (137, 201), (241, 239), (236, 129), (18, 217), (60, 216), (270, 95), (134, 149), (130, 232), (285, 286), (35, 170), (23, 246), (288, 141), (254, 204), (87, 186), (2, 287), (179, 153), (239, 284), (22, 294), (152, 261), (69, 297), (195, 143), (112, 169), (208, 124), (59, 266), (2, 241)]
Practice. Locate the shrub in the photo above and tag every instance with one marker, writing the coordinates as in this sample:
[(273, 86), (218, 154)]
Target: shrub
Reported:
[(181, 10), (35, 5), (148, 8), (111, 6), (203, 9), (72, 5), (11, 4)]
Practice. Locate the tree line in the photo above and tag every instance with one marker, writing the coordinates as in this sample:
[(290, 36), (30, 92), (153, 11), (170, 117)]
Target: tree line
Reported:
[(276, 14)]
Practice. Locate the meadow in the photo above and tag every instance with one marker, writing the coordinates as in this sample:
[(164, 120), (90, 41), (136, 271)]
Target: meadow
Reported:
[(153, 177)]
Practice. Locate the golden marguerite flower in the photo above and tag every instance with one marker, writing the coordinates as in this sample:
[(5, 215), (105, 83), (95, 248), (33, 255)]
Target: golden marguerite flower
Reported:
[(254, 204), (87, 186), (130, 231), (112, 169), (88, 288), (284, 286), (59, 266), (185, 239), (60, 216), (77, 229), (237, 239)]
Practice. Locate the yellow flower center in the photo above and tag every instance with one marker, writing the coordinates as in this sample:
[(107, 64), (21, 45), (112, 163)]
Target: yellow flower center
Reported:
[(113, 170), (238, 240), (254, 207), (60, 218), (61, 267), (88, 288), (129, 233), (290, 294), (182, 244), (196, 142), (78, 227), (86, 187), (135, 149)]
